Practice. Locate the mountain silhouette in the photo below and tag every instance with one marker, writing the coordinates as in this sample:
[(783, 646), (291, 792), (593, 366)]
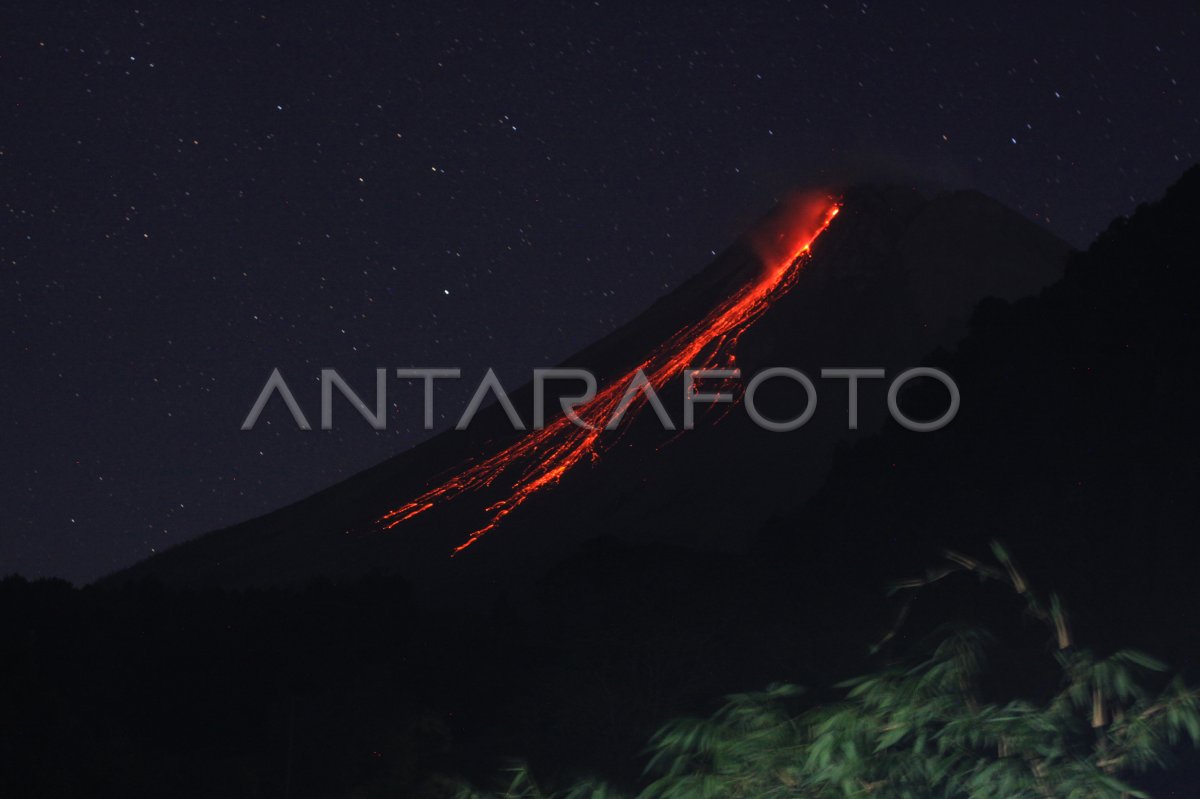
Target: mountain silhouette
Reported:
[(1078, 445), (1075, 443), (893, 277)]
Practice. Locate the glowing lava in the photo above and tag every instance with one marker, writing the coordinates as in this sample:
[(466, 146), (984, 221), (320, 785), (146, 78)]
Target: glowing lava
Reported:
[(542, 457)]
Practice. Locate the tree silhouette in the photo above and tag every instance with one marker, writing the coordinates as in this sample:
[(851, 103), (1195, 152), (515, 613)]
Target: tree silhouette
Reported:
[(926, 727)]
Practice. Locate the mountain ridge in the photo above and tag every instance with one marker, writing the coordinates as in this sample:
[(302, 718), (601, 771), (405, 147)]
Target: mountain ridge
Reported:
[(886, 235)]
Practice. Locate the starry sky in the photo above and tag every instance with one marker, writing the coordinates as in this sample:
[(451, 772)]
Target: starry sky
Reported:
[(192, 195)]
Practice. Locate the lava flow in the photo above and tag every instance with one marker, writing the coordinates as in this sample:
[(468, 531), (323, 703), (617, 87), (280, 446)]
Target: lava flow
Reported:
[(543, 456)]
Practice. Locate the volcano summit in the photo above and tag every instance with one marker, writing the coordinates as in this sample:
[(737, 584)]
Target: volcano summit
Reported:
[(878, 278)]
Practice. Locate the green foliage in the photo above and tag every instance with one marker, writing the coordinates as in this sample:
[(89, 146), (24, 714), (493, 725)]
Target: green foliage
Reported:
[(922, 730)]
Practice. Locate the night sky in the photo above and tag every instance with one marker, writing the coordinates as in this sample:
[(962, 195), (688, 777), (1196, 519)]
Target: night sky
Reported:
[(192, 198)]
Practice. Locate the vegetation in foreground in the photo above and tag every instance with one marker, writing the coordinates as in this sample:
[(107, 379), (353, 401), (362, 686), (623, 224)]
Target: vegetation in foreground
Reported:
[(929, 725)]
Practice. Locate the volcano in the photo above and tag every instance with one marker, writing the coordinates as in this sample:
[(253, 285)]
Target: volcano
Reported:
[(871, 277)]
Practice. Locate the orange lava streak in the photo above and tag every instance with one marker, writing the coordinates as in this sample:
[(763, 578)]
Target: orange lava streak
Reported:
[(551, 452)]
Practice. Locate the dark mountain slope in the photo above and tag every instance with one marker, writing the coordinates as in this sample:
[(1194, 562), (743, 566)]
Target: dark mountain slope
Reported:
[(1078, 442), (895, 276)]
